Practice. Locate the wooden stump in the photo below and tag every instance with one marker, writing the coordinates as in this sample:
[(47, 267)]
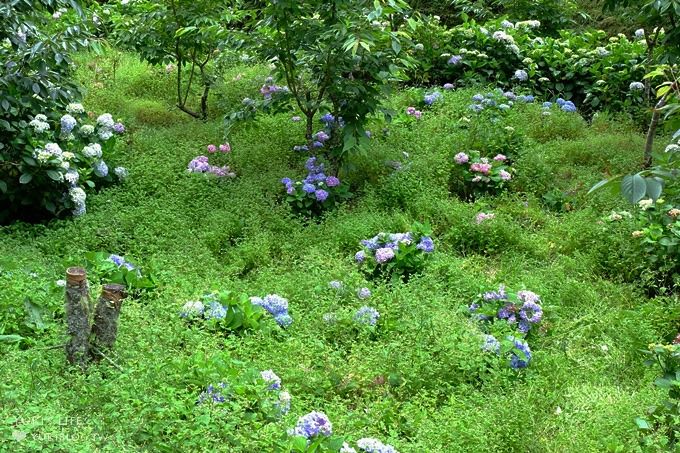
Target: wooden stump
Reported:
[(77, 316), (106, 313)]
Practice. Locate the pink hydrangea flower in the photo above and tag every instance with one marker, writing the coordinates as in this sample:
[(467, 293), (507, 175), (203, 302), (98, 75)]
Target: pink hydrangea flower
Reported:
[(481, 168), (411, 111), (225, 147), (500, 158), (505, 176), (212, 148), (418, 114), (482, 217)]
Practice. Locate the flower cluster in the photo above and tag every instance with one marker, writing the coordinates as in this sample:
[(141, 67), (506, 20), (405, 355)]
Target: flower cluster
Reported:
[(201, 164), (564, 105), (367, 315), (411, 111), (433, 97), (521, 310), (312, 425), (213, 394), (269, 88), (478, 175), (498, 100), (277, 306), (518, 350), (483, 217), (316, 192), (371, 445), (223, 148), (400, 253), (71, 149), (120, 262)]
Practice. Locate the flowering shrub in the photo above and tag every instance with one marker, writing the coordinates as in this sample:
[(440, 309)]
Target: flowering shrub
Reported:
[(516, 350), (276, 306), (521, 310), (110, 268), (259, 393), (659, 238), (62, 159), (588, 68), (396, 254), (498, 101), (226, 311), (473, 175), (317, 192)]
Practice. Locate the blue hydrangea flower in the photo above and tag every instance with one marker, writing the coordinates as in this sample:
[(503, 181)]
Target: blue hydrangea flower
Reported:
[(67, 124), (335, 284), (272, 379), (636, 86), (192, 309), (360, 256), (284, 402), (284, 320), (213, 394), (520, 75), (476, 108), (367, 315), (426, 244), (312, 425), (101, 169), (491, 344), (327, 119), (321, 195), (478, 98), (363, 293), (522, 360), (547, 105), (308, 188), (568, 106), (317, 144), (560, 102), (117, 260), (371, 445), (215, 310), (455, 60), (275, 304), (286, 181), (501, 294)]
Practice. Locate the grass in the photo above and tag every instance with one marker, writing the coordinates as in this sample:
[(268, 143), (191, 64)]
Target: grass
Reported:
[(422, 384)]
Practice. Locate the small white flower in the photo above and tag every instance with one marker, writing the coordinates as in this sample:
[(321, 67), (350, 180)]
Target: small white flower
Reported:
[(60, 283), (558, 410), (672, 148), (645, 204), (75, 109)]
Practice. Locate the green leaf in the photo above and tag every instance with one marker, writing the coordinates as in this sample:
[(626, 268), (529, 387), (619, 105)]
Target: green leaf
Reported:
[(53, 174), (654, 187), (36, 88), (642, 423), (3, 186), (25, 178), (633, 188), (35, 314), (10, 338)]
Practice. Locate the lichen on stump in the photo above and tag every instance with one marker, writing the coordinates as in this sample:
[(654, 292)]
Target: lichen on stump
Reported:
[(106, 313), (77, 316)]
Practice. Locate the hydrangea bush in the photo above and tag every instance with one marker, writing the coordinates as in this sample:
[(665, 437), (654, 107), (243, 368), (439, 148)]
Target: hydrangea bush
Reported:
[(515, 350), (473, 176), (316, 193), (227, 311), (396, 255), (112, 268), (521, 310), (63, 159)]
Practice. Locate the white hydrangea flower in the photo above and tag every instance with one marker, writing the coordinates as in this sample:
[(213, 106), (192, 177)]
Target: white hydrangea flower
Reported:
[(105, 120), (645, 204), (72, 176), (87, 129), (92, 150), (78, 195), (105, 134), (672, 148), (67, 155), (75, 109), (121, 172)]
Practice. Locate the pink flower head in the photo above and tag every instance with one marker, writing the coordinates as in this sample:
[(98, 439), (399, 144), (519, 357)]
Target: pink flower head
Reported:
[(418, 114), (505, 176), (481, 168), (411, 111), (481, 217), (225, 147), (461, 158), (500, 158), (212, 148)]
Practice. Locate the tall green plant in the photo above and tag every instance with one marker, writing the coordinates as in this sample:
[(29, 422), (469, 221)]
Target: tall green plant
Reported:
[(338, 56)]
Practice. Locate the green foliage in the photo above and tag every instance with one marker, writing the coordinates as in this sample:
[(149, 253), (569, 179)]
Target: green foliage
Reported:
[(107, 268), (227, 311), (35, 78), (660, 426), (337, 57)]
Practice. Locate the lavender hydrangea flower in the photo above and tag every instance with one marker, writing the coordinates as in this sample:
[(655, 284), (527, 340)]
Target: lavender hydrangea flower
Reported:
[(119, 128), (272, 379), (367, 315), (383, 255), (455, 60), (363, 293), (521, 75), (531, 312), (312, 425), (501, 294), (448, 86), (335, 284), (461, 158), (360, 256), (101, 169), (332, 181), (321, 195)]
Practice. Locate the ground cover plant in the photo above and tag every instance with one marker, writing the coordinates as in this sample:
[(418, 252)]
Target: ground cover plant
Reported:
[(452, 287)]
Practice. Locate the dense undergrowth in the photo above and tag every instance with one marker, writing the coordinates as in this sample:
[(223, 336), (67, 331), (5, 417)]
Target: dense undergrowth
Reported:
[(420, 382)]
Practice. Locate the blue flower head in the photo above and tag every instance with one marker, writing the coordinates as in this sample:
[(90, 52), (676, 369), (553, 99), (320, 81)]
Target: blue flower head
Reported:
[(367, 315)]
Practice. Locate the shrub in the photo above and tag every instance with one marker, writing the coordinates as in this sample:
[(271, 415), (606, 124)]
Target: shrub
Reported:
[(36, 79), (226, 311), (396, 255), (474, 176), (521, 310), (62, 157), (110, 268), (317, 192)]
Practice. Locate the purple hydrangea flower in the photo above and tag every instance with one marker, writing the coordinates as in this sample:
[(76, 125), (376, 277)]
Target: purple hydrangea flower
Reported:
[(383, 255), (461, 158), (312, 425), (448, 86), (317, 144), (332, 181), (531, 312), (360, 256), (213, 394), (119, 128), (327, 118), (321, 195), (287, 181), (455, 60)]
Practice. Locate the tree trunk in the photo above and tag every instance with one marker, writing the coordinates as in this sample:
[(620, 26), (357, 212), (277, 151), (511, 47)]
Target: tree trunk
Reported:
[(77, 316), (105, 327)]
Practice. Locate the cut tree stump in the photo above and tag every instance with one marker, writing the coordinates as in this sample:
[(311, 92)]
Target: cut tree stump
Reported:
[(106, 313), (77, 316)]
